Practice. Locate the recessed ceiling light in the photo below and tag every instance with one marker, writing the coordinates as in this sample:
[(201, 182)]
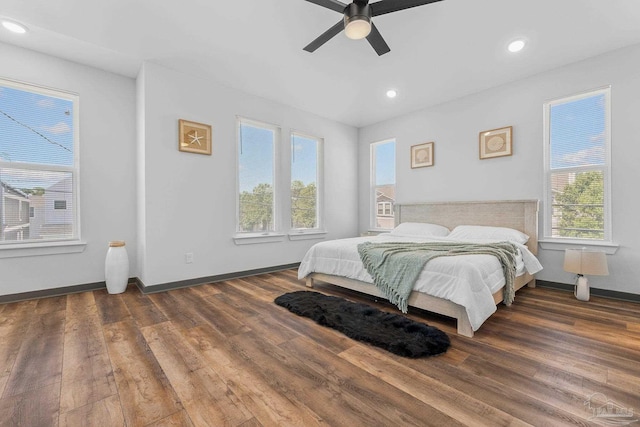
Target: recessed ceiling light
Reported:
[(391, 93), (516, 46), (14, 27)]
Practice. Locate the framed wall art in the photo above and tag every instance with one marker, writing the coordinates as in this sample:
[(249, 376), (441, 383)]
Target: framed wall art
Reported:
[(422, 155), (496, 143), (194, 137)]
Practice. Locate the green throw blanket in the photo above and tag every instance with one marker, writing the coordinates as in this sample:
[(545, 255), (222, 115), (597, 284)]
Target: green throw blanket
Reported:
[(395, 267)]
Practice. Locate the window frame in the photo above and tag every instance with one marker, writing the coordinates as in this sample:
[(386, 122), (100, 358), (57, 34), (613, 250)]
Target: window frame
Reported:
[(548, 239), (72, 244), (319, 184), (373, 203), (247, 237)]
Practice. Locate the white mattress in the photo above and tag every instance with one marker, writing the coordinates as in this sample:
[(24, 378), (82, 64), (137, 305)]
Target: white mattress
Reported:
[(467, 280)]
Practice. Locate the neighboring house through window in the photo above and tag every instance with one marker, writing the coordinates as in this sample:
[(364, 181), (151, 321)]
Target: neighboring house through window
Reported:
[(306, 182), (577, 167), (383, 179), (38, 162)]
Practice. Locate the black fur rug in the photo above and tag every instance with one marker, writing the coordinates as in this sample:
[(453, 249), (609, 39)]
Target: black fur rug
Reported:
[(392, 332)]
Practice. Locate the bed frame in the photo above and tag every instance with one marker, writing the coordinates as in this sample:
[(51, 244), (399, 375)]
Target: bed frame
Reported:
[(519, 214)]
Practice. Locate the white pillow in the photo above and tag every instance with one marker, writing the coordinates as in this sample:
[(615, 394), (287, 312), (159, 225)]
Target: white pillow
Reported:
[(420, 229), (472, 232)]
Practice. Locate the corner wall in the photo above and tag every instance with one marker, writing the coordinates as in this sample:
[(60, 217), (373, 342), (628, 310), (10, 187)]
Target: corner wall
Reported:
[(458, 174), (190, 199)]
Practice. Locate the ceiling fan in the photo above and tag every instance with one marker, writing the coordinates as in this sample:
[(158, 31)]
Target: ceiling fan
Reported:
[(356, 22)]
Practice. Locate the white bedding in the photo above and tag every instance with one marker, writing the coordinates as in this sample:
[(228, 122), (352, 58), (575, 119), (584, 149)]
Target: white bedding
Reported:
[(467, 280)]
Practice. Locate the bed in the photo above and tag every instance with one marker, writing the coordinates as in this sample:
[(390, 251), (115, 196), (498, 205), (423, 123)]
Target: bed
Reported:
[(520, 215)]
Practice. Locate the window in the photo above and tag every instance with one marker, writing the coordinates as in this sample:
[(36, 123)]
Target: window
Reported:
[(265, 204), (577, 166), (257, 146), (383, 182), (305, 181), (38, 164), (385, 209), (59, 204)]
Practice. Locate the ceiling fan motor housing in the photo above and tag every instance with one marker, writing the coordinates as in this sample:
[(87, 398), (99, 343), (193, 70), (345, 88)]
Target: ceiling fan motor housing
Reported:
[(355, 11)]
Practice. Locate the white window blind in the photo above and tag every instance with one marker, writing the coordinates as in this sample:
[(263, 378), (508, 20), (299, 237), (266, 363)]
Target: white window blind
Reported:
[(577, 166), (38, 164)]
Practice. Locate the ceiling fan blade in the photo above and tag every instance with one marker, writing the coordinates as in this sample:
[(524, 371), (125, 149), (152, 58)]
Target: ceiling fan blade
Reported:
[(377, 42), (387, 6), (325, 37), (330, 4)]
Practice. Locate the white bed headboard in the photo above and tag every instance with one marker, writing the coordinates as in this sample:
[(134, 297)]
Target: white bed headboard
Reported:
[(519, 214)]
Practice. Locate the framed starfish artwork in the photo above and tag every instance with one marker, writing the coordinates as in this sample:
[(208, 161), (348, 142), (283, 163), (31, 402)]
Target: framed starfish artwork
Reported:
[(194, 137)]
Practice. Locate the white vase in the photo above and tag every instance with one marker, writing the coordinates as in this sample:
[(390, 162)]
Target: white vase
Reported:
[(116, 268)]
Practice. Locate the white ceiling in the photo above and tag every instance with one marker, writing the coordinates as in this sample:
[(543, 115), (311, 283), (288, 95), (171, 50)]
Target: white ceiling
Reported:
[(439, 52)]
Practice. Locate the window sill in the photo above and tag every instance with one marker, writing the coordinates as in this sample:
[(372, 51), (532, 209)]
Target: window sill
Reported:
[(39, 249), (307, 235), (253, 238), (609, 248)]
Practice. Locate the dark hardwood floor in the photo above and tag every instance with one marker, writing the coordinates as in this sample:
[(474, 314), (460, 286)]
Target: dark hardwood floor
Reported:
[(225, 354)]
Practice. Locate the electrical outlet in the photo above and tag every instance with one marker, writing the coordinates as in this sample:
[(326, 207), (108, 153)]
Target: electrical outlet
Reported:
[(188, 257)]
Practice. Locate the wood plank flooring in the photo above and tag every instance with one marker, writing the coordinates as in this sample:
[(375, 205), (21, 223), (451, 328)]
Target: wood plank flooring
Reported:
[(225, 354)]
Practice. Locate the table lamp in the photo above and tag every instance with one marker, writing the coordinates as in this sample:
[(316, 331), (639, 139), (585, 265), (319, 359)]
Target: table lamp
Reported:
[(581, 262)]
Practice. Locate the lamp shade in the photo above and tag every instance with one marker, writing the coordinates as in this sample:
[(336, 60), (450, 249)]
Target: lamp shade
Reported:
[(581, 261)]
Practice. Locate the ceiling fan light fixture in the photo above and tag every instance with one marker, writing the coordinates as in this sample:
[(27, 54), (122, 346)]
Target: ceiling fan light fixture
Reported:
[(357, 21), (357, 29)]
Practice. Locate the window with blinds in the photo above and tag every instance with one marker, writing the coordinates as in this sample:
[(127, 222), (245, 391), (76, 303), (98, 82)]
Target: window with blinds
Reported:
[(38, 164), (383, 180), (577, 147), (257, 145), (305, 181)]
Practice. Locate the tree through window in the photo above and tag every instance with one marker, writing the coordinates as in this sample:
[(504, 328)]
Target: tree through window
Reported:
[(305, 181)]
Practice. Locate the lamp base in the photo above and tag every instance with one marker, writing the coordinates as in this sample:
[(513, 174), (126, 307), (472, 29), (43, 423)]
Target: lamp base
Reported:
[(582, 289)]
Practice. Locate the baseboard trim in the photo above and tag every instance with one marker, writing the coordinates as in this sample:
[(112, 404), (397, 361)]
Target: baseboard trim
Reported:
[(210, 279), (45, 293), (66, 290), (606, 293), (55, 292)]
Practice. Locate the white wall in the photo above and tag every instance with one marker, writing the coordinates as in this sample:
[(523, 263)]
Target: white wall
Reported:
[(190, 199), (107, 170), (137, 187), (176, 202), (458, 173)]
